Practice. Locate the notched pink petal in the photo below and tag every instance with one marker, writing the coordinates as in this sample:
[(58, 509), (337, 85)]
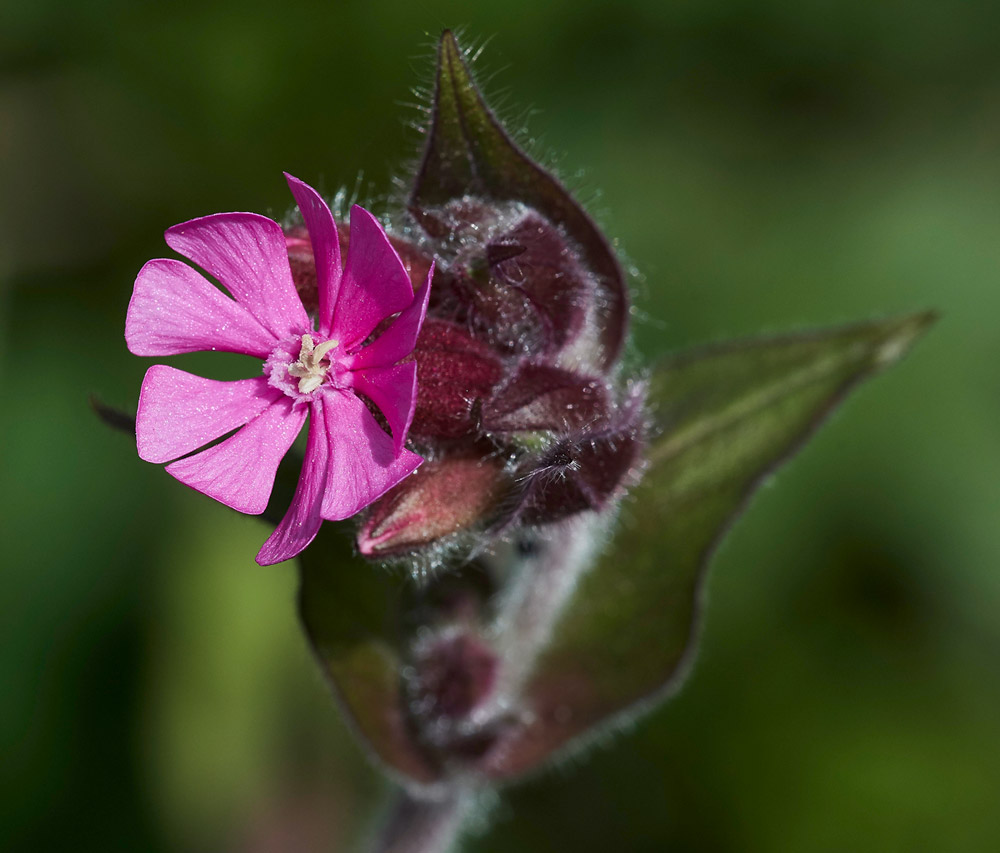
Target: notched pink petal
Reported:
[(179, 412), (247, 253), (325, 245), (375, 284), (363, 464), (302, 521), (240, 471), (394, 391), (400, 338), (174, 309)]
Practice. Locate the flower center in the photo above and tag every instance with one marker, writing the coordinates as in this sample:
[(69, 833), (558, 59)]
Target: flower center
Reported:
[(309, 369)]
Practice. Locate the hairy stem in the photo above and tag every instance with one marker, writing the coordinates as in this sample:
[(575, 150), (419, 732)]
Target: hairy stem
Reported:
[(423, 826), (542, 588)]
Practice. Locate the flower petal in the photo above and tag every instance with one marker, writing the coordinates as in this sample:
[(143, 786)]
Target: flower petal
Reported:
[(375, 284), (175, 309), (179, 412), (302, 521), (400, 338), (363, 464), (394, 391), (247, 253), (240, 471), (325, 245)]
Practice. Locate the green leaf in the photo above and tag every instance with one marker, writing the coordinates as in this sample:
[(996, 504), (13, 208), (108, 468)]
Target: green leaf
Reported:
[(351, 613), (469, 153), (728, 417)]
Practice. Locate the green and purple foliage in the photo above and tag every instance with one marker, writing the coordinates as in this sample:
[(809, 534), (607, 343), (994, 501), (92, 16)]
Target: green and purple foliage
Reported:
[(556, 535)]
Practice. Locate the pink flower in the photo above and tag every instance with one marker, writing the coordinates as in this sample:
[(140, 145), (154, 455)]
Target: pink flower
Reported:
[(311, 366)]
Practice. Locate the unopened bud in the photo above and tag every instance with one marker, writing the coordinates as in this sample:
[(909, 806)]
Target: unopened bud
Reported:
[(524, 288), (583, 474), (454, 371), (540, 397), (442, 497), (453, 674)]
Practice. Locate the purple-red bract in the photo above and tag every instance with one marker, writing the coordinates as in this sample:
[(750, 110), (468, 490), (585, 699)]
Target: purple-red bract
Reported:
[(310, 367)]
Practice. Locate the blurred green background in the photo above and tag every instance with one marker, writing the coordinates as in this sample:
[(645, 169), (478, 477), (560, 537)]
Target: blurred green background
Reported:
[(764, 165)]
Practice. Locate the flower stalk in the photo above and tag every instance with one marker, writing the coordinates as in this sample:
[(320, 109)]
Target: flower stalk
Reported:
[(422, 825)]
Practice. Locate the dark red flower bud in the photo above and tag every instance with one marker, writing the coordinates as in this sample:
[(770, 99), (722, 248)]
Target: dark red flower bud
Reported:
[(546, 273), (453, 673), (585, 473), (442, 497), (502, 250), (461, 219), (539, 397), (524, 289), (454, 371)]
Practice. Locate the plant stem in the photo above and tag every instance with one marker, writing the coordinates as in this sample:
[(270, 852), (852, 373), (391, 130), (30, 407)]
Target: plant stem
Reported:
[(423, 826), (542, 587)]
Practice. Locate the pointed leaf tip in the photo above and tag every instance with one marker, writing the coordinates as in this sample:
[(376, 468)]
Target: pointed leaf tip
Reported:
[(468, 152), (900, 336)]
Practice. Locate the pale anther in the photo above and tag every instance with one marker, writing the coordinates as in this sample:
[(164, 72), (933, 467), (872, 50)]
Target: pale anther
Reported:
[(308, 369)]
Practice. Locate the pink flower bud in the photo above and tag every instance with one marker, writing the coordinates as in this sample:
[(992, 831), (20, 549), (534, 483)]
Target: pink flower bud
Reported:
[(443, 497)]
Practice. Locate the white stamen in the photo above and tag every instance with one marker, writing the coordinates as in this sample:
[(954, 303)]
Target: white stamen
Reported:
[(308, 369), (324, 348)]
